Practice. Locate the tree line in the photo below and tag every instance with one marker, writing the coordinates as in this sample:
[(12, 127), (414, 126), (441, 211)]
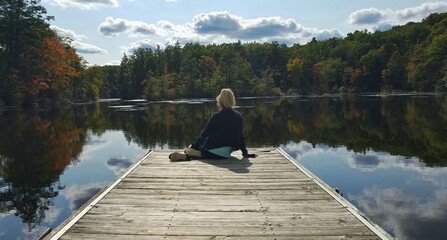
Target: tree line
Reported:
[(37, 66), (405, 58)]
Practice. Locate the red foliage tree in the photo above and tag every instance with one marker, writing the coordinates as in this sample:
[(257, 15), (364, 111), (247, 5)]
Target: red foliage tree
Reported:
[(54, 69)]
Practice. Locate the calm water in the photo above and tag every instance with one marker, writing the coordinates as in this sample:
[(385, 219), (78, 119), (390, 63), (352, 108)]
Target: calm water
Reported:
[(386, 155)]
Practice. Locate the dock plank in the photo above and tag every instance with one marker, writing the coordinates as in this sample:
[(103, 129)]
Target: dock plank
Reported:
[(269, 197)]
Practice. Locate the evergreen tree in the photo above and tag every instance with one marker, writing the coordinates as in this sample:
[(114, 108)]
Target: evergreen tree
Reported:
[(23, 23)]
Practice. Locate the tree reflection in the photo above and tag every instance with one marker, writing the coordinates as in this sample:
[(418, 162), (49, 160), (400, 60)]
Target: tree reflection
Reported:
[(35, 148), (406, 126)]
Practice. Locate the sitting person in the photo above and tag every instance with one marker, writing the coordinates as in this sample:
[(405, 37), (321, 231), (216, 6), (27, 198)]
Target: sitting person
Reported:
[(222, 135)]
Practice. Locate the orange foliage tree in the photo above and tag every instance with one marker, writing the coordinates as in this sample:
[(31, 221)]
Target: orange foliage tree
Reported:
[(56, 66)]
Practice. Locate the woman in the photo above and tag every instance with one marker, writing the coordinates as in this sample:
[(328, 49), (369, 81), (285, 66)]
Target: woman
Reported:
[(222, 135)]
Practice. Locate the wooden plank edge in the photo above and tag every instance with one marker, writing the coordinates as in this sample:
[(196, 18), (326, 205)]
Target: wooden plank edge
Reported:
[(67, 224), (382, 234)]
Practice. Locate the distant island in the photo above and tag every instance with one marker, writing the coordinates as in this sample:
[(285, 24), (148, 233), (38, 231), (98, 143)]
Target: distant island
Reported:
[(39, 67)]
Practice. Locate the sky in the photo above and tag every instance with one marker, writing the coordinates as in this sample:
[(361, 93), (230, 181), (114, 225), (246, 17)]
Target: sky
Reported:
[(104, 30)]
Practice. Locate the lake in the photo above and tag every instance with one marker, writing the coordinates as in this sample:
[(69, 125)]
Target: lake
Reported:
[(386, 155)]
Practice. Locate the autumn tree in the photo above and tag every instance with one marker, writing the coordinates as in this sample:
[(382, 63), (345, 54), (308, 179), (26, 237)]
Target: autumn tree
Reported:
[(37, 65), (23, 23), (55, 68), (295, 69)]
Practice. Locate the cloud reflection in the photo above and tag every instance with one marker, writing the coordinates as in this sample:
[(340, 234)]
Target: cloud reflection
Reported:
[(95, 142), (365, 161), (406, 215), (301, 149), (118, 164), (35, 233), (52, 214), (77, 195), (416, 208), (373, 161), (368, 161)]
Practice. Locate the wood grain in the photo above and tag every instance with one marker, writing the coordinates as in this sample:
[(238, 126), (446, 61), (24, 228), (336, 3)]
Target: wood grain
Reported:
[(262, 198)]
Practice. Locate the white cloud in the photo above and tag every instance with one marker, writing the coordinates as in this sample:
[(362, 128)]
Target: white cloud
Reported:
[(382, 27), (366, 16), (268, 27), (62, 32), (216, 23), (235, 27), (114, 26), (422, 11), (111, 26), (145, 43), (384, 19), (85, 4), (113, 63), (85, 48), (80, 46), (217, 27), (321, 35)]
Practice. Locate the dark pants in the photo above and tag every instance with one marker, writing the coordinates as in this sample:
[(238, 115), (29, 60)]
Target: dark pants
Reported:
[(200, 145)]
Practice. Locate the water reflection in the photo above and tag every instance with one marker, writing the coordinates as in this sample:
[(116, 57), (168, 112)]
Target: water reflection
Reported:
[(77, 195), (386, 154), (118, 165), (413, 216), (403, 195), (34, 151)]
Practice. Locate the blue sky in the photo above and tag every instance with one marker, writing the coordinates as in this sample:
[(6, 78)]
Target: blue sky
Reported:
[(103, 30)]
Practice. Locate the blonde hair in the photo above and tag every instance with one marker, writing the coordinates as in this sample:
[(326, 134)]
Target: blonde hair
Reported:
[(226, 99)]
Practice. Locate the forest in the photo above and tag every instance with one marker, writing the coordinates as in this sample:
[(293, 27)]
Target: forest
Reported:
[(39, 67)]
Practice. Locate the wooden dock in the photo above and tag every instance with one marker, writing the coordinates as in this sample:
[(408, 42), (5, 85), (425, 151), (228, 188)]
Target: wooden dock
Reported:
[(269, 197)]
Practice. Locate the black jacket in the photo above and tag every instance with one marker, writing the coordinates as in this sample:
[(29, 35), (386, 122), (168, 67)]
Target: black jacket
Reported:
[(224, 128)]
